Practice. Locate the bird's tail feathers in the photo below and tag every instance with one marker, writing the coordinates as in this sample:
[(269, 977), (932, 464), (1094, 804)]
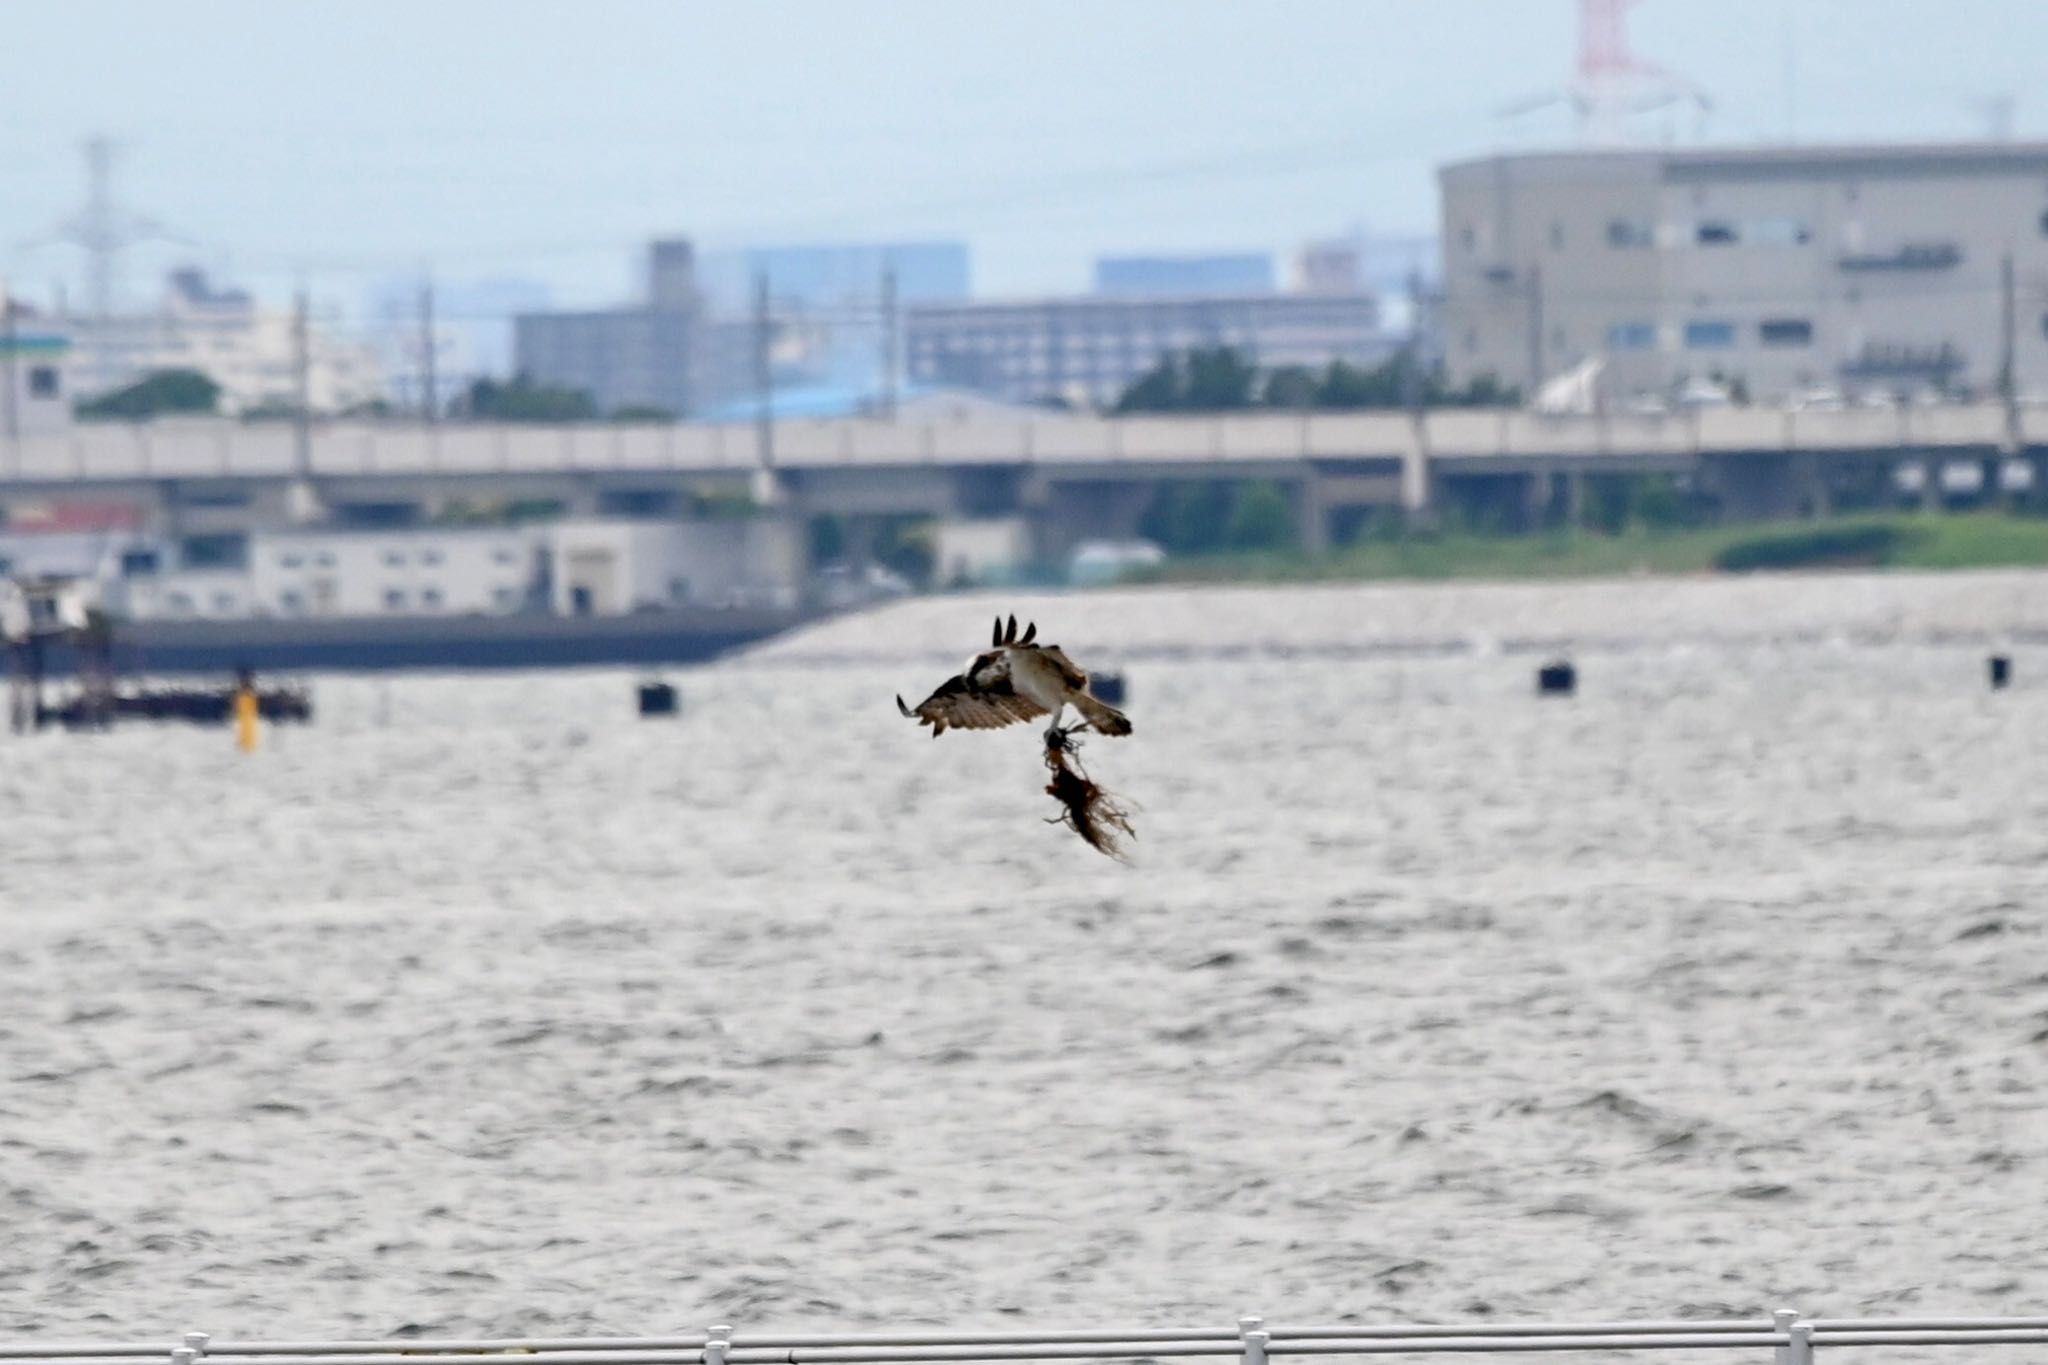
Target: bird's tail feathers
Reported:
[(1105, 718)]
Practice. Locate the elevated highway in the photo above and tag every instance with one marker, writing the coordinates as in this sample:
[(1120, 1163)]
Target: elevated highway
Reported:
[(1086, 474)]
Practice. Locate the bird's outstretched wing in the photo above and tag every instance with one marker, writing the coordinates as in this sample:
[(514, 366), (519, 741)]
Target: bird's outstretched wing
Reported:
[(960, 705)]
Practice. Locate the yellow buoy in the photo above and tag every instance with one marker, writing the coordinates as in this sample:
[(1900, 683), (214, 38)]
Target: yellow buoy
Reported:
[(247, 715)]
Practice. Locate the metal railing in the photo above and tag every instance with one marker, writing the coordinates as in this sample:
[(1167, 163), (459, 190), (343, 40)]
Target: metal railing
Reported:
[(226, 449), (1792, 1338)]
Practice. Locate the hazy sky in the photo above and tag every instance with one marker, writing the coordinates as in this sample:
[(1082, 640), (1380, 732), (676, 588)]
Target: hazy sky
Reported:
[(355, 141)]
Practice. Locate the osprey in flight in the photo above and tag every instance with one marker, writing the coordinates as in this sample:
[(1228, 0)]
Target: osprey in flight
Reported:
[(1012, 681)]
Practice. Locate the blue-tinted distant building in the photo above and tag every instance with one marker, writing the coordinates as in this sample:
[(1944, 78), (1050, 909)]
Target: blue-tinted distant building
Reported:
[(1183, 276), (828, 303)]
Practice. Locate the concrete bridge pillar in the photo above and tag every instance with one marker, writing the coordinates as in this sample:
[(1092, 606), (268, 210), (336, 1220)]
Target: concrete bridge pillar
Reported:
[(1064, 514), (1756, 487), (1539, 491), (1418, 483), (1816, 497), (1312, 514)]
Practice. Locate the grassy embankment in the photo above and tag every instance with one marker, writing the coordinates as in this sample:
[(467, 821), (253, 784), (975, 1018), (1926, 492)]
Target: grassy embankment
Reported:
[(1922, 541)]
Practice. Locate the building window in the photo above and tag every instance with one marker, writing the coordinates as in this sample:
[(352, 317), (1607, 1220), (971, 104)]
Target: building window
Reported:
[(2044, 223), (291, 604), (1467, 238), (505, 556), (1785, 332), (42, 381), (394, 599), (325, 559), (1556, 236), (430, 598), (506, 598), (1713, 232), (227, 550), (1709, 336), (1632, 336), (430, 556), (289, 561), (223, 602), (134, 563), (394, 558), (1626, 234)]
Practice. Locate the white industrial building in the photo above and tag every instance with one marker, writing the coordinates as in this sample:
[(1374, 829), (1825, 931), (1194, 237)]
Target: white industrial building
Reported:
[(456, 570), (570, 567), (250, 351), (1788, 272)]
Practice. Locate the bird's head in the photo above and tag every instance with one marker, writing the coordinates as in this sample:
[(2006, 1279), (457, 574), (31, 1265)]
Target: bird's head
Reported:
[(989, 666)]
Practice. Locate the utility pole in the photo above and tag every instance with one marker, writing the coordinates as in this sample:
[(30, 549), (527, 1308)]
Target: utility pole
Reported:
[(764, 376), (889, 340), (1416, 500), (8, 375), (2008, 339), (1412, 377), (302, 389), (429, 388), (1535, 331)]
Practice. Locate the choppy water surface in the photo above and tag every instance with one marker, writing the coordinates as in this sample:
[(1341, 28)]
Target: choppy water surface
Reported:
[(481, 1006)]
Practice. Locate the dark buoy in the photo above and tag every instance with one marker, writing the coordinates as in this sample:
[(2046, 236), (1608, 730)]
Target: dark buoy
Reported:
[(657, 699), (1556, 679), (1107, 687), (2001, 672)]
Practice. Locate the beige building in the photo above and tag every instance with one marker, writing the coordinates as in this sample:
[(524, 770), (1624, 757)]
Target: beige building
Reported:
[(1798, 271)]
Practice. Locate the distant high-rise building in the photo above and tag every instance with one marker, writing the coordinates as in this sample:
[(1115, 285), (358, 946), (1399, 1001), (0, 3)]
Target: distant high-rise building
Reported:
[(1333, 266), (639, 356), (1183, 276), (672, 275)]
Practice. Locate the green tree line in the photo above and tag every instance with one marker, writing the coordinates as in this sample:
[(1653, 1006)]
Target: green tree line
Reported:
[(1221, 379)]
